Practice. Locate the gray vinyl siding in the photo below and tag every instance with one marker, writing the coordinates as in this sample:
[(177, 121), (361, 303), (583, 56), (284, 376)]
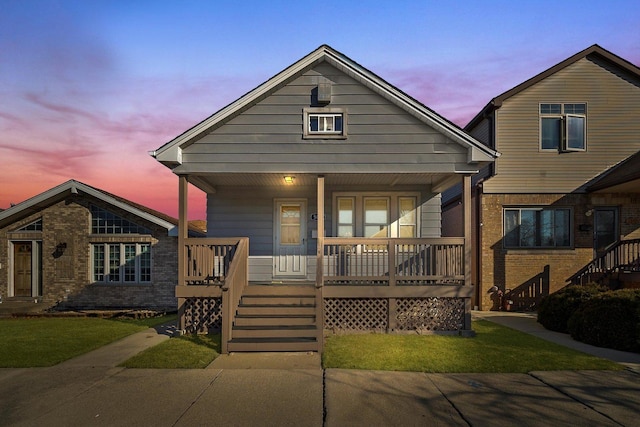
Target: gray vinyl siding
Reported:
[(268, 136), (248, 212), (613, 130)]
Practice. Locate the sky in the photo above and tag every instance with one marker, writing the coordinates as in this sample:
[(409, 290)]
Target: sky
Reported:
[(89, 87)]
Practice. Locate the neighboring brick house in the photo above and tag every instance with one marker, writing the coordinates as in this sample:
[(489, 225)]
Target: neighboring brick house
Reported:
[(566, 186), (75, 246)]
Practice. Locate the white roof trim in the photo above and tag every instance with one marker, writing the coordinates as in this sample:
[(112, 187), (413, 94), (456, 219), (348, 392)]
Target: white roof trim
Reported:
[(170, 153), (73, 187)]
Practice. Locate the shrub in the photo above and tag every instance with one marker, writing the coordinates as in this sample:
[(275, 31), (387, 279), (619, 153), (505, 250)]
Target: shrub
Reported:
[(555, 310), (610, 320)]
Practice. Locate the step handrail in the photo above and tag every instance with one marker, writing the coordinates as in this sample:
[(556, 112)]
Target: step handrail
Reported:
[(624, 253)]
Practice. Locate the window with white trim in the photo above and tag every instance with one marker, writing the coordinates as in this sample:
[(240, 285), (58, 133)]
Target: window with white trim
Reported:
[(33, 226), (387, 215), (325, 123), (121, 262), (563, 126), (537, 227), (105, 222)]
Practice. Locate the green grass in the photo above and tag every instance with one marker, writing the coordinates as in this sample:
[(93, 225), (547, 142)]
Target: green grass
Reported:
[(36, 342), (184, 352), (494, 349)]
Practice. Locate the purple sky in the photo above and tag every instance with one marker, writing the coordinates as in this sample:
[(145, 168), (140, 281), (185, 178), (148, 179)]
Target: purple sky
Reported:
[(87, 88)]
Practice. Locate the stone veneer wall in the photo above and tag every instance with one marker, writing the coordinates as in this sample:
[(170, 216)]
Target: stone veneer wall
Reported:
[(66, 273), (533, 273)]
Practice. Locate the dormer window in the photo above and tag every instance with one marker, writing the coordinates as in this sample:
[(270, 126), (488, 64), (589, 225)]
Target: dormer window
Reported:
[(563, 127), (325, 123)]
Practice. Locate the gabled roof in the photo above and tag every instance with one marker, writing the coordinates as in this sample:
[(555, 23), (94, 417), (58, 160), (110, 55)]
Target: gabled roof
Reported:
[(595, 49), (170, 153), (627, 172), (76, 187)]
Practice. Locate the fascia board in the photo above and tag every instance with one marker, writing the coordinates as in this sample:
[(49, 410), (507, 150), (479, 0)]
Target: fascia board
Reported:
[(72, 186)]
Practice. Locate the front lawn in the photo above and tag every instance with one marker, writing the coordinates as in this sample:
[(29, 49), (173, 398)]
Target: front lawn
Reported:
[(35, 342), (183, 352), (494, 349)]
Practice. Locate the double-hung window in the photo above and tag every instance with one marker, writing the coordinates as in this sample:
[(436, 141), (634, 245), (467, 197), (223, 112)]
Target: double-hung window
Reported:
[(381, 216), (537, 227), (563, 126)]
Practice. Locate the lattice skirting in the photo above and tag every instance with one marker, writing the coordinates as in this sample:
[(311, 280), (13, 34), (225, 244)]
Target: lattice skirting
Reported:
[(410, 314), (356, 314), (202, 315), (430, 314)]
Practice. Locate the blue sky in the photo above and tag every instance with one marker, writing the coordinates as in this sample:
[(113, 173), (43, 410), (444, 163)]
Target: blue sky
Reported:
[(87, 88)]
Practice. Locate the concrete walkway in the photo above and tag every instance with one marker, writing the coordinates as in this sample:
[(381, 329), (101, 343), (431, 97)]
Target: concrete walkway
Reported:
[(290, 389)]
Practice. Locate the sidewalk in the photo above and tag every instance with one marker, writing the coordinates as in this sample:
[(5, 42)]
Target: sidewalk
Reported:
[(291, 389)]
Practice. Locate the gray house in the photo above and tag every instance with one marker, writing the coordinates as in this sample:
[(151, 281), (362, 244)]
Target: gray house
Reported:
[(323, 209)]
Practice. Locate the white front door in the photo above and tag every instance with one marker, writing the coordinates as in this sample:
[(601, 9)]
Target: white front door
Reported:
[(290, 238)]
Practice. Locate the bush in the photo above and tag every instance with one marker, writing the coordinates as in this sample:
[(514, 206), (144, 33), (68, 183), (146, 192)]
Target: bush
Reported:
[(555, 310), (610, 320)]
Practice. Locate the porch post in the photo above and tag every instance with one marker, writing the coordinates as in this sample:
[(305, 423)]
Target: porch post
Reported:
[(183, 190), (466, 205), (320, 266)]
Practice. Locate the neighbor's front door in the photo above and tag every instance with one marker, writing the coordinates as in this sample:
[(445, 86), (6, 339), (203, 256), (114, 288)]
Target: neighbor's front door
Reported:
[(290, 242), (26, 269), (605, 228)]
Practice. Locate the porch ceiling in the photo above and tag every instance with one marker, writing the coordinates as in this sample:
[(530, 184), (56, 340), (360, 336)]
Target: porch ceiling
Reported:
[(301, 180)]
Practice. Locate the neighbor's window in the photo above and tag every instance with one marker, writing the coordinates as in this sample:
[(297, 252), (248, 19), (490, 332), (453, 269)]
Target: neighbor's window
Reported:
[(33, 226), (121, 262), (105, 222), (324, 123), (537, 227), (563, 127)]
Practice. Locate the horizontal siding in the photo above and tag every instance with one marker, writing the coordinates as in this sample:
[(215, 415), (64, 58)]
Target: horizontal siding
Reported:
[(613, 131), (268, 136), (248, 212)]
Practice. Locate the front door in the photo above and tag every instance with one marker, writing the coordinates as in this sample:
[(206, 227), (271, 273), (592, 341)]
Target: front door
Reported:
[(26, 269), (605, 228), (290, 242)]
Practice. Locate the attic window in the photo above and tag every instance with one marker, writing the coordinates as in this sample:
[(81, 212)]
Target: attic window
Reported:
[(33, 226), (105, 222), (325, 123)]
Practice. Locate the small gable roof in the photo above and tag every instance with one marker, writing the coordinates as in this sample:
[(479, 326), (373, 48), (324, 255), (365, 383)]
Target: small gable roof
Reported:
[(76, 187), (595, 49), (170, 153)]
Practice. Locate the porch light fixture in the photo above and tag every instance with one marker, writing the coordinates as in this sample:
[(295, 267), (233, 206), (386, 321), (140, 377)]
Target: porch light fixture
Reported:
[(289, 179)]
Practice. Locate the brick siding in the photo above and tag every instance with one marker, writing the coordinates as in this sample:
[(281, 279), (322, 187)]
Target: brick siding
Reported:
[(533, 273), (66, 260)]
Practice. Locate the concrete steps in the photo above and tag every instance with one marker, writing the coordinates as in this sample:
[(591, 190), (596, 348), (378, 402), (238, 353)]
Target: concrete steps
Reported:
[(275, 318)]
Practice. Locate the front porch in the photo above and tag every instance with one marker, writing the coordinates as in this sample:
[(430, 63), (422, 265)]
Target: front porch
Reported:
[(361, 284)]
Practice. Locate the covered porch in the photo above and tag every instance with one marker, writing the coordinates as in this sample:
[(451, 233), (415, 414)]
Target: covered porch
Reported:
[(392, 284)]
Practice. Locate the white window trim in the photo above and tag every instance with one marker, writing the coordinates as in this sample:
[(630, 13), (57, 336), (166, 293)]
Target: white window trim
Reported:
[(306, 132), (138, 267), (394, 208)]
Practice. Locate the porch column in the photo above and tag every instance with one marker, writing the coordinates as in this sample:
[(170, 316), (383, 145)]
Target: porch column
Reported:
[(183, 190), (320, 242), (466, 206), (320, 267)]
